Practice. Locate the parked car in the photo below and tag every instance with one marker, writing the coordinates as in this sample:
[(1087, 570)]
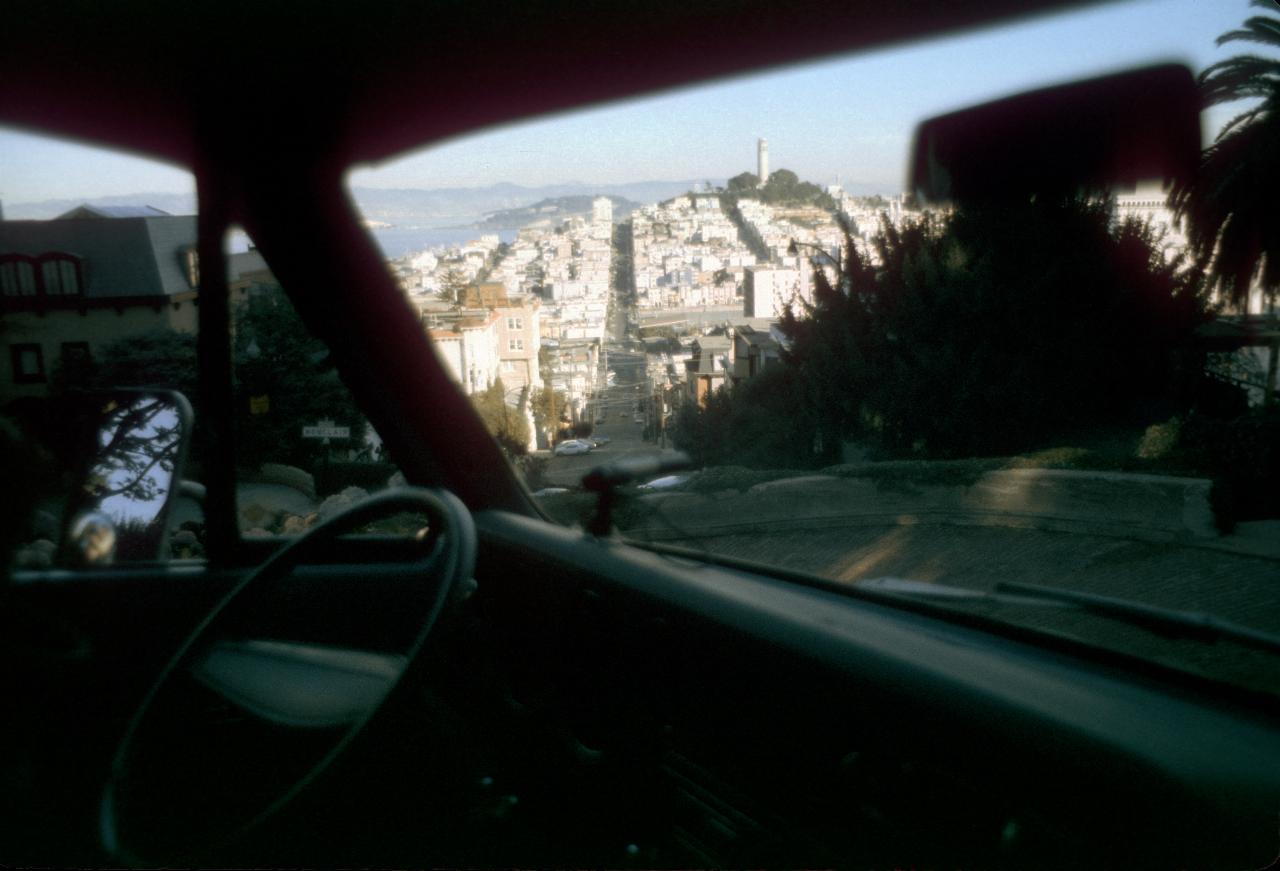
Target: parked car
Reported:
[(599, 440), (666, 482), (572, 447)]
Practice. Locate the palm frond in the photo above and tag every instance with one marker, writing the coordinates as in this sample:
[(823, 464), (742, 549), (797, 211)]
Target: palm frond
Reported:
[(1239, 78), (1256, 29), (1241, 120), (1227, 207)]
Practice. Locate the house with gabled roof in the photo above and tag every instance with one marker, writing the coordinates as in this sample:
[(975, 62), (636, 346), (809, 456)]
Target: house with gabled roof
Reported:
[(708, 368), (93, 276)]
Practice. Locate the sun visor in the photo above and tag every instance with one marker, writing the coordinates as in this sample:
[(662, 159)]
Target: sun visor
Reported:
[(1087, 136)]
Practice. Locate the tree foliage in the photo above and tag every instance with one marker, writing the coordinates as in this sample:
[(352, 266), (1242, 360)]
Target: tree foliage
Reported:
[(550, 410), (138, 446), (763, 423), (161, 358), (276, 357), (453, 286), (1228, 206), (987, 333), (743, 182), (1009, 326), (783, 188), (507, 425)]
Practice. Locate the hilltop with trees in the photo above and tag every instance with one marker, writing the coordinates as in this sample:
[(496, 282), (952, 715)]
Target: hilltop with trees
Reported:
[(784, 188)]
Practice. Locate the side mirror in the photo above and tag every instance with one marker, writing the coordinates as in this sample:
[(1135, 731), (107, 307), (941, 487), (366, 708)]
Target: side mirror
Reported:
[(1085, 136), (135, 445)]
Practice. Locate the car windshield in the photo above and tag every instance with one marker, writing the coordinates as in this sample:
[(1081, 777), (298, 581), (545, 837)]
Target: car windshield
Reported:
[(726, 299), (902, 397)]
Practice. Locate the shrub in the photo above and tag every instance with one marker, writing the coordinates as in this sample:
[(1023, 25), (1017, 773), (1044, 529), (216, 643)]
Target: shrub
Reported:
[(1242, 455)]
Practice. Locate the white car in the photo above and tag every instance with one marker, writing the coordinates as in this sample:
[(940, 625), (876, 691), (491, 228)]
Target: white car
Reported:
[(664, 483), (572, 447)]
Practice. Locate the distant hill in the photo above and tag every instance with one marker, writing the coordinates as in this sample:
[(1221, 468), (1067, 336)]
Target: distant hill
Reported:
[(399, 206), (553, 208), (43, 210)]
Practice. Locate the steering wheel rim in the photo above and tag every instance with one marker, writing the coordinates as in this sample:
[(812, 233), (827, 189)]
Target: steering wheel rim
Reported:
[(450, 546)]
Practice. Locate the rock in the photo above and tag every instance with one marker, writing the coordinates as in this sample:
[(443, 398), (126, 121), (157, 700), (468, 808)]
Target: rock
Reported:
[(258, 514), (340, 502), (295, 524), (185, 545), (35, 555)]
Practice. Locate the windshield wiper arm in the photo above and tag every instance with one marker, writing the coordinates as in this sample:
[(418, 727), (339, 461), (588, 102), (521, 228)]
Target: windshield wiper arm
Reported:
[(1165, 621)]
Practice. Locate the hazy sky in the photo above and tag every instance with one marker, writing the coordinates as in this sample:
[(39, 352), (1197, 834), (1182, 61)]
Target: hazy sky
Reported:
[(849, 117)]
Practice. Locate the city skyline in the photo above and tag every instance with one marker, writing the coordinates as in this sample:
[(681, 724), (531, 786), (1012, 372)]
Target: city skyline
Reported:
[(850, 117)]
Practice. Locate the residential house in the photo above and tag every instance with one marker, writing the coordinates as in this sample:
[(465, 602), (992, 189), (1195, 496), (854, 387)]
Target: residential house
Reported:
[(518, 331), (466, 340), (707, 369), (767, 290), (753, 350), (93, 276)]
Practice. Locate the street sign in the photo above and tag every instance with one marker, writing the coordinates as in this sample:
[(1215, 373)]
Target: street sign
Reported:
[(325, 429)]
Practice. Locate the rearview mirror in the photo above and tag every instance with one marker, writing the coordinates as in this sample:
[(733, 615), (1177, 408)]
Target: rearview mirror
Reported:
[(135, 453), (1086, 136)]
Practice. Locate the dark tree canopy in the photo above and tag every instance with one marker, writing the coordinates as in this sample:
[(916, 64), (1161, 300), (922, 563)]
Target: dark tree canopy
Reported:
[(162, 358), (992, 332), (743, 182), (278, 359)]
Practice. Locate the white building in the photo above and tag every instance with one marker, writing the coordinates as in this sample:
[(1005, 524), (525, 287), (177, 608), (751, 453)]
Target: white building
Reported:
[(467, 342), (602, 210), (767, 290)]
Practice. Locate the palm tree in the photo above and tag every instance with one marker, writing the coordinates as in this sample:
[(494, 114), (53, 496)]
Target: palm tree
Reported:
[(1229, 206)]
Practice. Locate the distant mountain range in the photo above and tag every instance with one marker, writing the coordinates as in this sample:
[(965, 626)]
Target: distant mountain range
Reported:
[(399, 206), (428, 207), (487, 205), (174, 204)]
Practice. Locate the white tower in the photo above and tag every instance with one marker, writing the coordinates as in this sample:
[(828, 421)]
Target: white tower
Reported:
[(762, 160), (602, 210)]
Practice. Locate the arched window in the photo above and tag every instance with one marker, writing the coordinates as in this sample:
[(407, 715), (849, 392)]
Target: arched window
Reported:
[(17, 275), (60, 274)]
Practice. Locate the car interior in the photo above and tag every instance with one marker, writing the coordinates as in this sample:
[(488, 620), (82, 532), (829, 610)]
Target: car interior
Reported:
[(498, 690)]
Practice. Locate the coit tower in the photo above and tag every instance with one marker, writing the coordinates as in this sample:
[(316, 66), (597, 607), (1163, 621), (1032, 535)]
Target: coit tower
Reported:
[(762, 160)]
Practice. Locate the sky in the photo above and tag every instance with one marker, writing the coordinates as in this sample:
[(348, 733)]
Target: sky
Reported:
[(848, 118)]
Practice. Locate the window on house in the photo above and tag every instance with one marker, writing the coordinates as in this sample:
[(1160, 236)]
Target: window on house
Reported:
[(60, 275), (17, 276), (191, 267), (28, 363), (515, 324)]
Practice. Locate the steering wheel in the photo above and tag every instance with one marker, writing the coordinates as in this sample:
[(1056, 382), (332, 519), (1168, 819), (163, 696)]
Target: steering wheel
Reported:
[(245, 716)]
